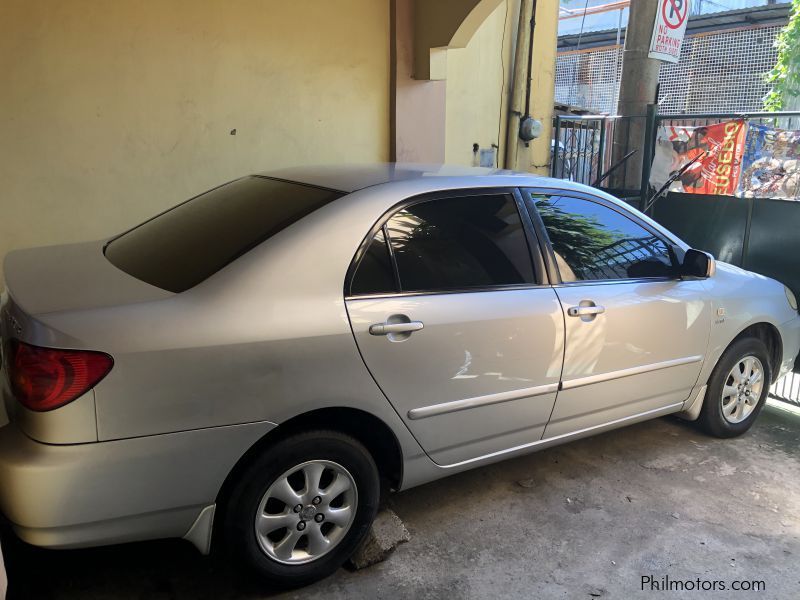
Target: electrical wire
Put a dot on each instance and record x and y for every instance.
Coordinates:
(502, 87)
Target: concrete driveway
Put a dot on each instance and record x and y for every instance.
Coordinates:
(585, 520)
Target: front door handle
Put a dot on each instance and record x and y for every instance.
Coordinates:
(388, 328)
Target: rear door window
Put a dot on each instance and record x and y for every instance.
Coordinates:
(187, 244)
(448, 244)
(375, 271)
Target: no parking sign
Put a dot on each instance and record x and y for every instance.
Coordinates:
(668, 30)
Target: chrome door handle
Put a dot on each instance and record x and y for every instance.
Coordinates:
(387, 328)
(585, 311)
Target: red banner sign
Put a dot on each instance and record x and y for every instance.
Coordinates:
(718, 150)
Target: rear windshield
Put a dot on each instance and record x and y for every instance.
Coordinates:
(187, 244)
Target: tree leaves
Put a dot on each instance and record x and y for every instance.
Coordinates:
(785, 77)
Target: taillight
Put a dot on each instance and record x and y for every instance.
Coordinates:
(46, 378)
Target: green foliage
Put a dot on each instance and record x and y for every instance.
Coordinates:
(579, 238)
(785, 77)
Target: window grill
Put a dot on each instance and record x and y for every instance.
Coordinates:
(718, 71)
(589, 78)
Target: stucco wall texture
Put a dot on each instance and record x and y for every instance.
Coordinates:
(479, 81)
(112, 112)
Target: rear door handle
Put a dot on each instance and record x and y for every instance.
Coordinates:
(387, 328)
(585, 311)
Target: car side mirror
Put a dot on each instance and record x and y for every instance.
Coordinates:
(696, 264)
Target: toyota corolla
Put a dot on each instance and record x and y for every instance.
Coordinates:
(256, 366)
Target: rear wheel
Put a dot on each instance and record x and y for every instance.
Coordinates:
(301, 508)
(737, 389)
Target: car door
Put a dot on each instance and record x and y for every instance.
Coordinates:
(636, 336)
(454, 323)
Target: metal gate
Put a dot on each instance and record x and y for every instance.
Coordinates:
(586, 149)
(787, 388)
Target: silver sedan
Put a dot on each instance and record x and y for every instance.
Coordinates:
(257, 365)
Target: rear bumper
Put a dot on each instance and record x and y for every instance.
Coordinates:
(64, 496)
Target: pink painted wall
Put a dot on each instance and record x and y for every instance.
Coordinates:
(418, 111)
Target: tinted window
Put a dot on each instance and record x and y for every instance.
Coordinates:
(459, 243)
(592, 241)
(374, 274)
(187, 244)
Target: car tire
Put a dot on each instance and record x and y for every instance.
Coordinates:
(288, 556)
(732, 401)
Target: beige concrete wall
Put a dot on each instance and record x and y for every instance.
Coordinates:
(479, 84)
(112, 111)
(478, 80)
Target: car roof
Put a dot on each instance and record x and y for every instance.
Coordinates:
(348, 178)
(353, 177)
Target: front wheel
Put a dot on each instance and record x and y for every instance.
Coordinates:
(302, 507)
(737, 389)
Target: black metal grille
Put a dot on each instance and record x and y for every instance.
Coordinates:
(590, 150)
(787, 389)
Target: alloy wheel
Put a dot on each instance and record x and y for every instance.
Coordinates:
(306, 512)
(742, 389)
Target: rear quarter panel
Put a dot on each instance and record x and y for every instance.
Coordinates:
(265, 339)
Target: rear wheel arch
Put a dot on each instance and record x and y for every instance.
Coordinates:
(372, 432)
(300, 509)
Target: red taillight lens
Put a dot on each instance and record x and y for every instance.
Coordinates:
(46, 378)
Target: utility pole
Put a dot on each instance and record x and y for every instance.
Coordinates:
(637, 89)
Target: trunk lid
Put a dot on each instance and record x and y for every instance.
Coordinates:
(71, 277)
